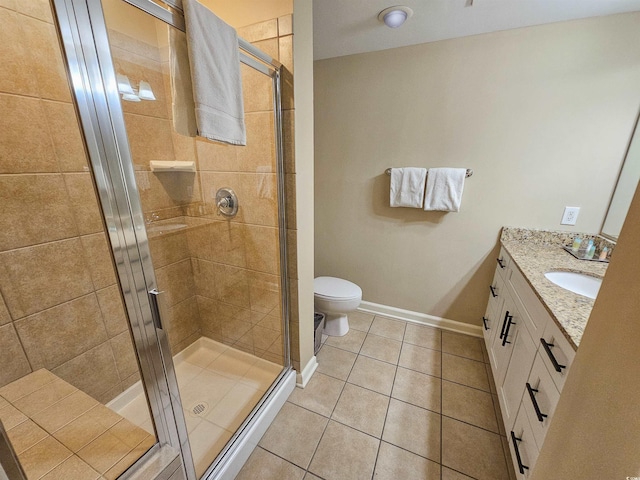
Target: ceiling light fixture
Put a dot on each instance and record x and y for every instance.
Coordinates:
(393, 17)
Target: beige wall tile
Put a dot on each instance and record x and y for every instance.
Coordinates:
(167, 190)
(66, 136)
(285, 45)
(263, 338)
(257, 90)
(176, 280)
(87, 427)
(184, 147)
(215, 156)
(104, 452)
(262, 245)
(11, 416)
(259, 31)
(287, 89)
(65, 411)
(264, 291)
(285, 25)
(48, 66)
(40, 9)
(35, 209)
(232, 285)
(4, 313)
(228, 243)
(129, 381)
(268, 46)
(260, 198)
(124, 354)
(128, 433)
(10, 4)
(290, 200)
(184, 321)
(204, 278)
(98, 257)
(133, 45)
(259, 153)
(169, 248)
(209, 320)
(211, 182)
(25, 435)
(288, 138)
(46, 335)
(94, 372)
(149, 139)
(27, 385)
(39, 277)
(128, 460)
(16, 75)
(84, 203)
(72, 467)
(112, 308)
(20, 150)
(12, 357)
(43, 457)
(292, 253)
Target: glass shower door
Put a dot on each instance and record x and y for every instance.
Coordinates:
(218, 276)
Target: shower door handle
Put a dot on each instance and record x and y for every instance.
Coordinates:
(155, 309)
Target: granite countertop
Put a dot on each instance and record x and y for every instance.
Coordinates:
(535, 252)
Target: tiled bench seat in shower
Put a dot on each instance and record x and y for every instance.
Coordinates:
(60, 432)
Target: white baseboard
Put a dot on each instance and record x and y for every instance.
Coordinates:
(302, 378)
(421, 318)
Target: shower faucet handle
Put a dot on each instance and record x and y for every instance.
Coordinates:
(227, 202)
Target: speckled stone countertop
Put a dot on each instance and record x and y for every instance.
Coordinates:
(535, 252)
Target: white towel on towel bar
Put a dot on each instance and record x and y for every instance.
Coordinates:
(444, 189)
(215, 72)
(407, 187)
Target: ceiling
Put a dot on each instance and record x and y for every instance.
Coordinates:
(345, 27)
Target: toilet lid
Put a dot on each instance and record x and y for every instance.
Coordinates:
(335, 287)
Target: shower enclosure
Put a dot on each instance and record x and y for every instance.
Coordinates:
(141, 326)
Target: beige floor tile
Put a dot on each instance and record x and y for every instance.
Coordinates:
(373, 374)
(360, 321)
(472, 451)
(72, 468)
(462, 345)
(104, 452)
(64, 411)
(418, 389)
(448, 474)
(422, 336)
(311, 476)
(386, 327)
(261, 375)
(27, 384)
(335, 362)
(414, 429)
(25, 435)
(11, 416)
(469, 405)
(234, 407)
(320, 395)
(381, 348)
(344, 454)
(361, 409)
(87, 427)
(43, 457)
(263, 465)
(465, 371)
(352, 341)
(207, 440)
(288, 440)
(395, 463)
(44, 397)
(423, 360)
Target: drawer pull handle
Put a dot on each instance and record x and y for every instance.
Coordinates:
(532, 391)
(547, 348)
(504, 324)
(500, 263)
(484, 322)
(493, 291)
(506, 332)
(515, 441)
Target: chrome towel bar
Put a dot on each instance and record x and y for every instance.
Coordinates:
(468, 174)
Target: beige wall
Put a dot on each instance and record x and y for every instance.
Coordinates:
(542, 115)
(60, 305)
(240, 13)
(595, 430)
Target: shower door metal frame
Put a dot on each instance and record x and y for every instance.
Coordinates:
(83, 33)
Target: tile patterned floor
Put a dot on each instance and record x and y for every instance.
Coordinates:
(390, 400)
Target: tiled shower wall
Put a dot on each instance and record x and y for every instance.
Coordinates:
(221, 276)
(60, 306)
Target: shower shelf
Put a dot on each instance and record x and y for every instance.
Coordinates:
(172, 166)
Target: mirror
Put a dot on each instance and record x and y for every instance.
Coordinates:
(625, 188)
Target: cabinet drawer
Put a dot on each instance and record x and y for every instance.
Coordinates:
(544, 393)
(503, 262)
(536, 316)
(497, 292)
(523, 448)
(557, 354)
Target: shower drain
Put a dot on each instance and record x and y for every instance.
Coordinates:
(199, 409)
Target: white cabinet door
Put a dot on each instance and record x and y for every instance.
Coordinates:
(502, 344)
(557, 354)
(524, 451)
(540, 399)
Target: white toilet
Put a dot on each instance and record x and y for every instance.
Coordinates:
(335, 298)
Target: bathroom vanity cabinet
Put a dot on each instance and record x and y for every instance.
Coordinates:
(529, 357)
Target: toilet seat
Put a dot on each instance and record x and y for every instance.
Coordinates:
(336, 289)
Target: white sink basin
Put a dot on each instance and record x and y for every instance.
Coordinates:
(576, 282)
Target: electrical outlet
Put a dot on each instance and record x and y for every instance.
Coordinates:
(570, 215)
